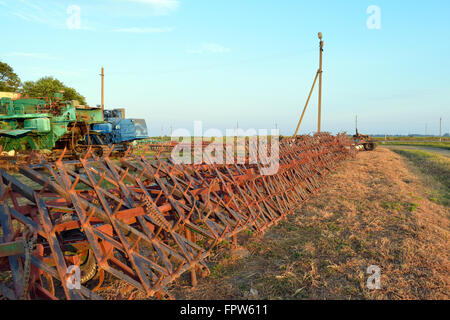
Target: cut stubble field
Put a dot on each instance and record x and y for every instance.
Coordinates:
(377, 209)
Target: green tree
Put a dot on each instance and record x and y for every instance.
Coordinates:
(9, 81)
(47, 87)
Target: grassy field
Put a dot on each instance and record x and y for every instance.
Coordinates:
(413, 139)
(435, 171)
(435, 144)
(377, 209)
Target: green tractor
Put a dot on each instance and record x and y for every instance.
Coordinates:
(38, 124)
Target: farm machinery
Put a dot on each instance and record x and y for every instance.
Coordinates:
(46, 125)
(364, 142)
(144, 219)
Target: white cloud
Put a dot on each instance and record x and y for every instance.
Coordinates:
(160, 6)
(48, 14)
(210, 48)
(170, 4)
(32, 55)
(145, 30)
(30, 17)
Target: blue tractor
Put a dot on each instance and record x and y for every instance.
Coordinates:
(117, 130)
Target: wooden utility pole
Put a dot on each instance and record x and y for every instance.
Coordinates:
(318, 75)
(320, 83)
(103, 89)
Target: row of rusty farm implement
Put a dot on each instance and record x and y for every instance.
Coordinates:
(143, 218)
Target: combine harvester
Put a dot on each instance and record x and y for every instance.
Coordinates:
(143, 218)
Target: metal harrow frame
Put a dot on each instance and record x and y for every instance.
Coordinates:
(145, 220)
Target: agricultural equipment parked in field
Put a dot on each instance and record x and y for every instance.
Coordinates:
(37, 124)
(117, 130)
(364, 142)
(144, 219)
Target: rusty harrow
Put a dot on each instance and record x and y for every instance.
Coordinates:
(143, 219)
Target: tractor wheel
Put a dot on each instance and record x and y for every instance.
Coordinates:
(84, 257)
(78, 152)
(370, 146)
(88, 268)
(98, 152)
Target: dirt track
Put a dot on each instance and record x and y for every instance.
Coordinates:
(374, 211)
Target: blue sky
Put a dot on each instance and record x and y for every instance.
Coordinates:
(253, 61)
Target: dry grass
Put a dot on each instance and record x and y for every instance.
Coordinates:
(374, 211)
(434, 169)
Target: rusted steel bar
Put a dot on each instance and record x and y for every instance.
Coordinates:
(13, 248)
